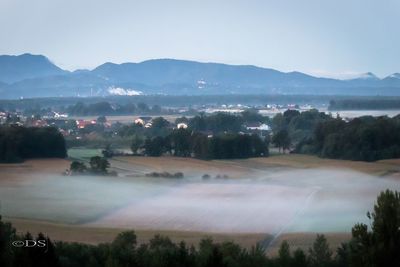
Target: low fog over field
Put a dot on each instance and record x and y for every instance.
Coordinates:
(265, 201)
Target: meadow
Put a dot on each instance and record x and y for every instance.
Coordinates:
(260, 199)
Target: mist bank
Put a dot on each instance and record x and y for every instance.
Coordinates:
(266, 200)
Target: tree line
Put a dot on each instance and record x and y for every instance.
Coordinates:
(293, 126)
(377, 246)
(187, 143)
(18, 143)
(107, 108)
(224, 122)
(211, 124)
(364, 138)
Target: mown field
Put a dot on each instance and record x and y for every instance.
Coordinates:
(280, 197)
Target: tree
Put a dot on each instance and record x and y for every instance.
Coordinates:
(7, 235)
(180, 141)
(182, 120)
(290, 114)
(101, 119)
(281, 140)
(320, 255)
(278, 123)
(107, 151)
(137, 143)
(159, 123)
(154, 147)
(252, 115)
(123, 247)
(259, 146)
(299, 259)
(100, 108)
(45, 256)
(386, 228)
(365, 138)
(342, 257)
(99, 165)
(379, 247)
(18, 143)
(284, 257)
(200, 146)
(159, 127)
(77, 167)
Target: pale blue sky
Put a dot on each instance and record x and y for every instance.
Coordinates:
(321, 37)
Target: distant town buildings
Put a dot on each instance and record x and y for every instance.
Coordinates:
(81, 124)
(257, 127)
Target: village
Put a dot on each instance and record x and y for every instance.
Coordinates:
(81, 127)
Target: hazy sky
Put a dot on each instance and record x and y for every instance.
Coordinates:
(323, 37)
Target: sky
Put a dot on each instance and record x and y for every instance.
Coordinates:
(330, 38)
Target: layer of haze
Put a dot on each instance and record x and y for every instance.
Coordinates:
(270, 201)
(326, 38)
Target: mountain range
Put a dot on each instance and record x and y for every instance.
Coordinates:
(36, 76)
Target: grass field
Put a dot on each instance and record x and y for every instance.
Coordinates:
(380, 168)
(96, 235)
(280, 197)
(83, 153)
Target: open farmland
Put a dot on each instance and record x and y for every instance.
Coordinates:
(260, 199)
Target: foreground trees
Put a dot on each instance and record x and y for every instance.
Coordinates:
(375, 247)
(380, 245)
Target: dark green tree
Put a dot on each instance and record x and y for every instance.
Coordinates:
(154, 147)
(77, 167)
(99, 165)
(123, 249)
(284, 258)
(380, 245)
(137, 143)
(101, 119)
(320, 254)
(299, 259)
(200, 146)
(281, 140)
(7, 235)
(107, 151)
(180, 142)
(159, 127)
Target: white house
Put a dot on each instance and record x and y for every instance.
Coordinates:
(258, 127)
(181, 125)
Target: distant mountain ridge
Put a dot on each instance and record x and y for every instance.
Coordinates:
(26, 66)
(35, 76)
